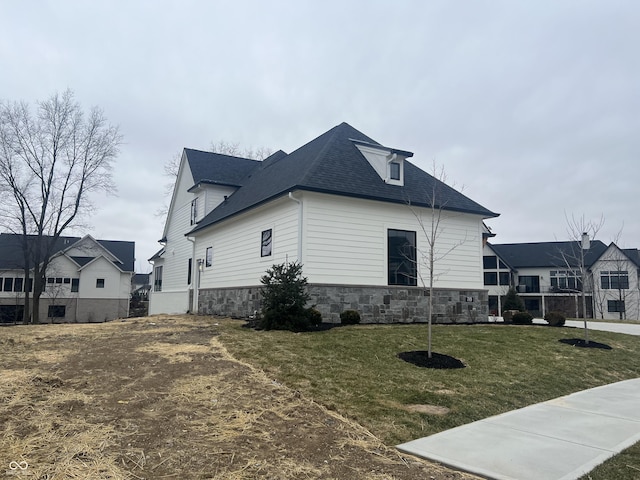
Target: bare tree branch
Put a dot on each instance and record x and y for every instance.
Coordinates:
(51, 160)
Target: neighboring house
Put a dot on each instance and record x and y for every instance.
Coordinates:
(140, 285)
(87, 280)
(547, 277)
(352, 211)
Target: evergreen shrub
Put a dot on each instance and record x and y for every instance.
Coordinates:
(349, 317)
(555, 319)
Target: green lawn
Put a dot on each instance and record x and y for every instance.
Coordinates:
(355, 370)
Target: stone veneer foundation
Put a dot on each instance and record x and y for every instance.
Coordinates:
(375, 304)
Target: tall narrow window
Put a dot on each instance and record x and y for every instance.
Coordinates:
(401, 252)
(189, 267)
(75, 284)
(209, 257)
(157, 279)
(394, 171)
(194, 211)
(265, 249)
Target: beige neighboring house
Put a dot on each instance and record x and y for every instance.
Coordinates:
(88, 280)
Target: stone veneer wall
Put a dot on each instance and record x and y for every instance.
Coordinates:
(375, 304)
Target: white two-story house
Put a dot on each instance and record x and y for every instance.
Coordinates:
(355, 213)
(548, 277)
(87, 280)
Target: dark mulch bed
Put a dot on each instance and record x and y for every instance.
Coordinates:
(420, 358)
(579, 342)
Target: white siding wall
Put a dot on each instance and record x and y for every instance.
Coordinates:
(236, 245)
(345, 242)
(115, 283)
(214, 196)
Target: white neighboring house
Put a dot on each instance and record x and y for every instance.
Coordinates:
(547, 278)
(616, 275)
(340, 206)
(87, 280)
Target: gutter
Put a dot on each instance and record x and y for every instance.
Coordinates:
(300, 218)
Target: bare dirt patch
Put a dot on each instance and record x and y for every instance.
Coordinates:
(160, 397)
(428, 409)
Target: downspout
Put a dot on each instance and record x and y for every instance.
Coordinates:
(194, 303)
(388, 176)
(300, 218)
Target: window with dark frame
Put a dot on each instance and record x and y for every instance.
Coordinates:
(489, 261)
(18, 284)
(157, 279)
(614, 280)
(266, 243)
(8, 284)
(401, 257)
(99, 282)
(209, 257)
(504, 278)
(615, 306)
(57, 311)
(189, 268)
(490, 278)
(194, 211)
(75, 284)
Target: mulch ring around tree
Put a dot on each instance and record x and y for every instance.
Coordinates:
(420, 358)
(579, 342)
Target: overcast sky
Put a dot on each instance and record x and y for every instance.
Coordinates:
(532, 106)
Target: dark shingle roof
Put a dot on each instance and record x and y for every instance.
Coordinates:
(208, 167)
(547, 254)
(633, 254)
(331, 163)
(11, 256)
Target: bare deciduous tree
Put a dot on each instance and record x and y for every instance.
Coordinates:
(581, 231)
(51, 160)
(432, 229)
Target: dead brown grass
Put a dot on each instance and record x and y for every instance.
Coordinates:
(161, 397)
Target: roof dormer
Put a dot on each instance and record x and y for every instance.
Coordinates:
(387, 162)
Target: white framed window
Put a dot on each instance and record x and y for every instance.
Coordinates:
(394, 170)
(266, 243)
(209, 257)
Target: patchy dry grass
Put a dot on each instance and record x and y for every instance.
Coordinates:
(162, 398)
(355, 370)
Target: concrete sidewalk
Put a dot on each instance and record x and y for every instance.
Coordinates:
(561, 439)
